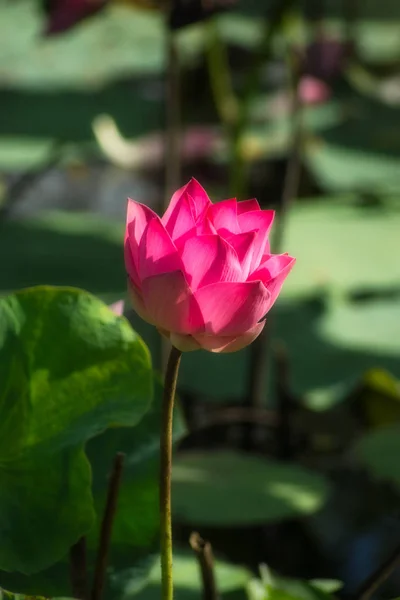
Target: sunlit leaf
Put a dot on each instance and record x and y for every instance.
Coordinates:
(69, 368)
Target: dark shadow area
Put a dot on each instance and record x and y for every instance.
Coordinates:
(32, 253)
(68, 115)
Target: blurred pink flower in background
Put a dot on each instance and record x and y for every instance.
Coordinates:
(323, 63)
(203, 273)
(313, 91)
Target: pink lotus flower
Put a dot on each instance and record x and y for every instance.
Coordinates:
(203, 273)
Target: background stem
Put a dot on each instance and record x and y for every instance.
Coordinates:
(171, 378)
(78, 569)
(106, 527)
(205, 558)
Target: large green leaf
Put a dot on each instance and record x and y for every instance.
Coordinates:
(227, 488)
(134, 546)
(69, 368)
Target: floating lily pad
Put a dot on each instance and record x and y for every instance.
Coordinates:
(228, 488)
(362, 325)
(331, 240)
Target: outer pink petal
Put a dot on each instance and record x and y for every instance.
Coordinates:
(137, 303)
(200, 197)
(171, 304)
(273, 273)
(198, 194)
(137, 218)
(260, 221)
(224, 216)
(209, 259)
(215, 343)
(232, 308)
(157, 252)
(130, 264)
(247, 206)
(182, 218)
(243, 244)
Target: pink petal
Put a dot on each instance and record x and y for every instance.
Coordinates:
(198, 194)
(182, 218)
(243, 244)
(171, 304)
(247, 206)
(157, 252)
(117, 307)
(260, 221)
(232, 308)
(267, 252)
(130, 264)
(137, 303)
(138, 217)
(273, 273)
(206, 226)
(200, 197)
(224, 216)
(209, 259)
(216, 343)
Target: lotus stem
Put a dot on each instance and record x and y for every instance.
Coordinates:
(171, 378)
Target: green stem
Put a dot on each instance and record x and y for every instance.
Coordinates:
(171, 378)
